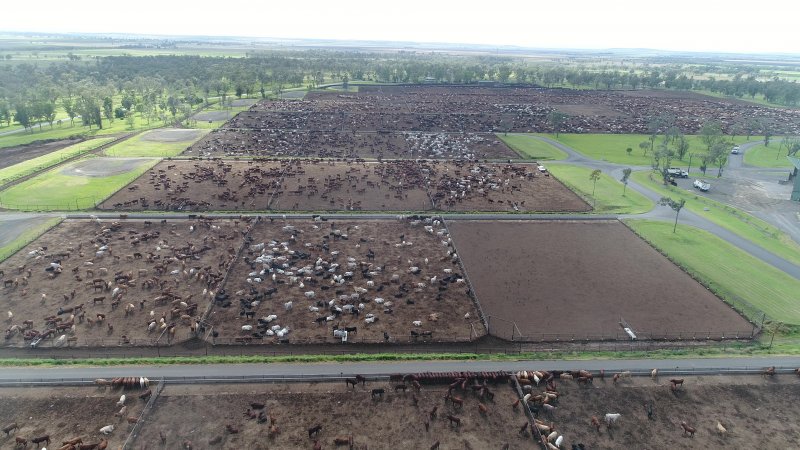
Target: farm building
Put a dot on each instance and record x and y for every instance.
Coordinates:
(796, 189)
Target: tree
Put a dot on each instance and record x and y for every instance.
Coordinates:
(644, 146)
(628, 151)
(556, 119)
(108, 108)
(5, 113)
(594, 176)
(48, 112)
(792, 144)
(711, 133)
(767, 136)
(69, 107)
(626, 173)
(676, 206)
(719, 155)
(22, 115)
(681, 146)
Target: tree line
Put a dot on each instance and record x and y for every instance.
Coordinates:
(159, 87)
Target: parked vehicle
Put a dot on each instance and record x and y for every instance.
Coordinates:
(677, 172)
(702, 185)
(735, 150)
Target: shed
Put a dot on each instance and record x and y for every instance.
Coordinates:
(796, 189)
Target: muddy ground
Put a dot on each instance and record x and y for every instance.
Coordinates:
(200, 413)
(65, 413)
(150, 267)
(305, 258)
(757, 412)
(315, 185)
(15, 155)
(564, 280)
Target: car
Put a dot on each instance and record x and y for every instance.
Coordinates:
(702, 185)
(677, 172)
(542, 169)
(735, 150)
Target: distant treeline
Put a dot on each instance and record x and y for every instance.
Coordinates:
(158, 86)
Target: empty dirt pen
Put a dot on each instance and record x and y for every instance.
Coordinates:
(560, 280)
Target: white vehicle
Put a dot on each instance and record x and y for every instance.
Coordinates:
(677, 172)
(542, 169)
(735, 150)
(702, 185)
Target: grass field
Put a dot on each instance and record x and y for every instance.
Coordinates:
(66, 130)
(54, 191)
(732, 219)
(139, 146)
(608, 195)
(30, 166)
(531, 148)
(731, 273)
(28, 236)
(772, 156)
(612, 147)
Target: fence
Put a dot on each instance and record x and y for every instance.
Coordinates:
(472, 295)
(138, 425)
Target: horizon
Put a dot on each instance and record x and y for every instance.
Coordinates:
(685, 26)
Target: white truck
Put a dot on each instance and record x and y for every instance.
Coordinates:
(702, 185)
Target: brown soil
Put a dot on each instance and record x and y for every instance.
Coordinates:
(564, 280)
(200, 414)
(756, 412)
(336, 186)
(31, 293)
(15, 155)
(315, 249)
(336, 144)
(66, 413)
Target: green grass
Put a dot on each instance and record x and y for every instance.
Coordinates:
(139, 146)
(737, 221)
(731, 273)
(609, 198)
(772, 157)
(53, 190)
(531, 148)
(30, 166)
(611, 147)
(27, 237)
(66, 130)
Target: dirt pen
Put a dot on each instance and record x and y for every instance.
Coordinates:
(124, 282)
(68, 413)
(384, 281)
(316, 185)
(554, 280)
(395, 419)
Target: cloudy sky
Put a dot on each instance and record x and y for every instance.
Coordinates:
(694, 25)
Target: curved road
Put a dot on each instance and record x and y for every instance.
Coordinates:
(665, 213)
(384, 368)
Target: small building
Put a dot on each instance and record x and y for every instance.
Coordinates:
(796, 189)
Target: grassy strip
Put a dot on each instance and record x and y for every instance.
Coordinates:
(30, 166)
(721, 267)
(724, 351)
(770, 157)
(27, 237)
(735, 220)
(612, 147)
(531, 148)
(54, 191)
(66, 131)
(608, 196)
(139, 146)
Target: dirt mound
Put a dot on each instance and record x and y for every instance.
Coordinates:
(176, 135)
(103, 167)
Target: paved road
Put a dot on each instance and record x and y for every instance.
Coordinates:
(665, 213)
(351, 368)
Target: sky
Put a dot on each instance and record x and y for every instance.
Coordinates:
(763, 26)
